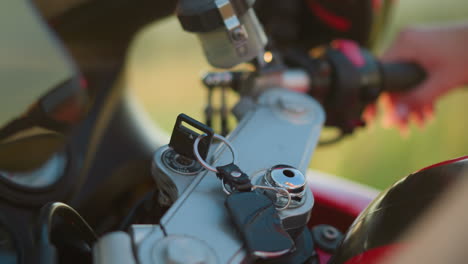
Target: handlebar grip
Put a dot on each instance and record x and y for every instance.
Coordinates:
(401, 77)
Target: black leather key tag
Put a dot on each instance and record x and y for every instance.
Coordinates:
(234, 177)
(255, 217)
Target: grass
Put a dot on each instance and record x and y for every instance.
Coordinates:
(164, 72)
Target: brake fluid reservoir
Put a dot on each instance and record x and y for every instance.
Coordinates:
(229, 30)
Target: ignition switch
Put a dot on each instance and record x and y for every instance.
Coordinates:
(289, 178)
(180, 157)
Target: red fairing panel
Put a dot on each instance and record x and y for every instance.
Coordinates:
(374, 255)
(323, 257)
(337, 201)
(444, 163)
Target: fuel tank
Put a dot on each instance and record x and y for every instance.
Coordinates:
(377, 230)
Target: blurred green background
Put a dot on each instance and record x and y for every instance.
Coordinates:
(164, 71)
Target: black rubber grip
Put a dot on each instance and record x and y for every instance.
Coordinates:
(401, 77)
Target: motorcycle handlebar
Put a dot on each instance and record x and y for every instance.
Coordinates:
(345, 88)
(400, 77)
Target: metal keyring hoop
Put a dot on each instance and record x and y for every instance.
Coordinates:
(204, 163)
(277, 189)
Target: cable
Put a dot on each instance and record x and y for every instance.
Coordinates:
(133, 214)
(47, 251)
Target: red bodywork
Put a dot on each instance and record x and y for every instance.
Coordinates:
(445, 162)
(337, 202)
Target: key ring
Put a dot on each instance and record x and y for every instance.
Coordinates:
(204, 163)
(276, 189)
(234, 157)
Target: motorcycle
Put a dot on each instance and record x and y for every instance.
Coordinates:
(245, 199)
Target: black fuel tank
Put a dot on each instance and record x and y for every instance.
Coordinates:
(395, 209)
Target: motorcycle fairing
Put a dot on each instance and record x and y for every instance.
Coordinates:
(396, 209)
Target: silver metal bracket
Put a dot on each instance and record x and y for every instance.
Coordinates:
(283, 127)
(237, 32)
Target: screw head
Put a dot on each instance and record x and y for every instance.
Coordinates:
(327, 237)
(239, 34)
(330, 233)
